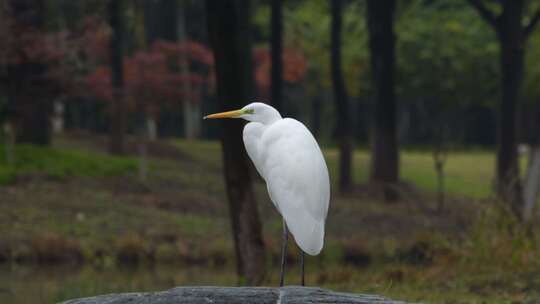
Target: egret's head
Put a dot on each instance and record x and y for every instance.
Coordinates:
(256, 111)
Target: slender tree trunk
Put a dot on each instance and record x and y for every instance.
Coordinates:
(191, 109)
(342, 103)
(512, 35)
(143, 157)
(33, 118)
(229, 33)
(9, 143)
(316, 104)
(5, 86)
(161, 20)
(277, 54)
(118, 113)
(440, 154)
(384, 151)
(147, 131)
(4, 83)
(512, 54)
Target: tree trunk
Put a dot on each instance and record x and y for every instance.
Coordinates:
(118, 113)
(316, 104)
(512, 37)
(512, 52)
(29, 91)
(384, 151)
(229, 33)
(9, 143)
(142, 150)
(32, 123)
(439, 159)
(191, 109)
(161, 20)
(342, 104)
(277, 54)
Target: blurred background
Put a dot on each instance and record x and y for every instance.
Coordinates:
(428, 113)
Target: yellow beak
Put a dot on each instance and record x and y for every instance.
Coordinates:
(229, 114)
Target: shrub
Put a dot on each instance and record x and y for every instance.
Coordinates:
(52, 248)
(132, 249)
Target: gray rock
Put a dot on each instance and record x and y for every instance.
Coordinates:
(233, 295)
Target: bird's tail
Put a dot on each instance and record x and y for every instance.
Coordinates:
(309, 235)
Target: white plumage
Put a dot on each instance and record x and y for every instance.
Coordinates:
(288, 158)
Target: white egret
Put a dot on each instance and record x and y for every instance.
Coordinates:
(288, 158)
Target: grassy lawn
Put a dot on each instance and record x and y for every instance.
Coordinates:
(61, 163)
(468, 174)
(78, 204)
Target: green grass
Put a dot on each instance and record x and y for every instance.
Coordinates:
(203, 151)
(469, 174)
(61, 163)
(181, 213)
(466, 173)
(95, 200)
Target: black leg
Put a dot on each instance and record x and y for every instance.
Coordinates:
(284, 240)
(302, 254)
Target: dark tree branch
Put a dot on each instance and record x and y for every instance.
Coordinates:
(484, 12)
(530, 27)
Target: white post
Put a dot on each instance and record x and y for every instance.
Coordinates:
(57, 119)
(531, 190)
(151, 128)
(9, 143)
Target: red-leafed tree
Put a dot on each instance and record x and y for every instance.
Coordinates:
(31, 59)
(44, 66)
(152, 78)
(294, 64)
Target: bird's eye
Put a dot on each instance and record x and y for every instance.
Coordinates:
(249, 111)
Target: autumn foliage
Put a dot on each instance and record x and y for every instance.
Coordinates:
(294, 67)
(78, 62)
(32, 54)
(156, 76)
(31, 67)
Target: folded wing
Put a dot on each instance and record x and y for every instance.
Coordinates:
(297, 179)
